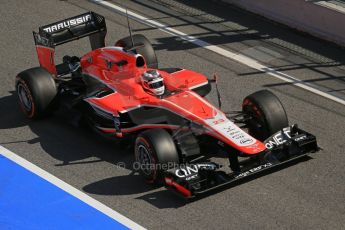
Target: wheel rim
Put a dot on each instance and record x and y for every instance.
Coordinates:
(145, 159)
(24, 97)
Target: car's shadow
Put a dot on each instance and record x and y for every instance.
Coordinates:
(134, 184)
(72, 146)
(11, 116)
(64, 142)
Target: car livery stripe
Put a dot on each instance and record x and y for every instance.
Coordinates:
(198, 85)
(139, 127)
(177, 71)
(92, 103)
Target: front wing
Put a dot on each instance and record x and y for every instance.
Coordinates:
(193, 180)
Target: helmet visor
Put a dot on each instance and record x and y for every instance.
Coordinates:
(156, 85)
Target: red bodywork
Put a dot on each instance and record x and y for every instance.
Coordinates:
(129, 94)
(46, 58)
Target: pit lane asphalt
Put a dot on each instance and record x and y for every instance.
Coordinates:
(308, 195)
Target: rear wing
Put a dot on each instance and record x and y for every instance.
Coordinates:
(88, 24)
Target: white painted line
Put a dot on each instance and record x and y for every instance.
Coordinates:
(69, 189)
(236, 57)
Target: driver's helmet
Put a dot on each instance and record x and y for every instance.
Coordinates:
(152, 82)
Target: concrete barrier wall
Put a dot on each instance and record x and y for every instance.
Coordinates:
(318, 19)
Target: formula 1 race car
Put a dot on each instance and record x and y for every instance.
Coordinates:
(120, 92)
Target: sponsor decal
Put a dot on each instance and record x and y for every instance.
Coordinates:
(281, 137)
(301, 138)
(207, 166)
(253, 170)
(67, 23)
(41, 40)
(218, 121)
(189, 172)
(278, 139)
(230, 130)
(246, 140)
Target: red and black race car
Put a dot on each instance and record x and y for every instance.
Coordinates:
(120, 92)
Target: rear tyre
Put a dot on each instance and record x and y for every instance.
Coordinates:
(36, 90)
(267, 112)
(155, 152)
(146, 51)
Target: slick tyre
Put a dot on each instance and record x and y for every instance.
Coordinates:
(36, 90)
(146, 50)
(155, 152)
(267, 112)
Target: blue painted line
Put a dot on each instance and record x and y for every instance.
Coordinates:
(29, 202)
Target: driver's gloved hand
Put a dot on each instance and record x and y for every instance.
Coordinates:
(74, 66)
(66, 59)
(75, 59)
(73, 62)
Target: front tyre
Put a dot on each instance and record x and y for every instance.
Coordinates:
(155, 152)
(36, 90)
(267, 114)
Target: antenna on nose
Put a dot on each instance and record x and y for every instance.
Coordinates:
(129, 29)
(215, 80)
